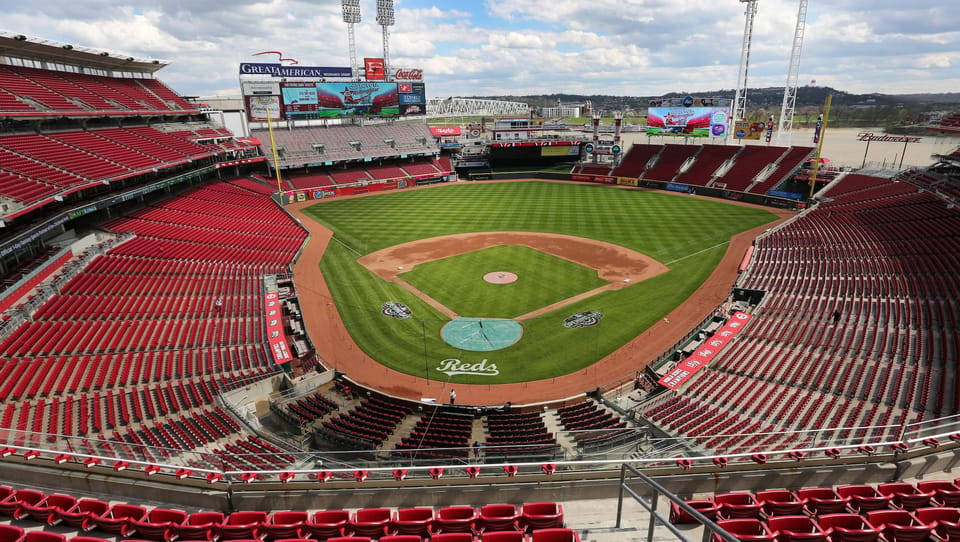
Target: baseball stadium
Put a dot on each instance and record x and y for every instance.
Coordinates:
(359, 319)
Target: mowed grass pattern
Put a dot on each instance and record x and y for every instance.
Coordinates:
(543, 279)
(687, 234)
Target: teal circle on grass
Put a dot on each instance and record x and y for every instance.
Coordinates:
(481, 334)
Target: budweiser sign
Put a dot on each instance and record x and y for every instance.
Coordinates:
(870, 136)
(404, 74)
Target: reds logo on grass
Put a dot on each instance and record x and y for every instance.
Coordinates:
(583, 319)
(395, 310)
(454, 366)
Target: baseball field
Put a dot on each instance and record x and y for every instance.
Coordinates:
(591, 267)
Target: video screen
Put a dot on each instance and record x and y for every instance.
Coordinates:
(688, 121)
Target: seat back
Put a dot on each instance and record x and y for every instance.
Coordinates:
(555, 535)
(10, 533)
(459, 519)
(502, 536)
(452, 537)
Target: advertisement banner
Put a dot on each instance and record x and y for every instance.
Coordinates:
(705, 354)
(258, 107)
(414, 109)
(408, 74)
(280, 70)
(560, 150)
(325, 99)
(687, 121)
(628, 181)
(412, 99)
(374, 69)
(444, 131)
(260, 88)
(278, 343)
(749, 130)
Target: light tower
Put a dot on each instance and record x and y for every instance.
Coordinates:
(740, 101)
(385, 19)
(351, 16)
(785, 128)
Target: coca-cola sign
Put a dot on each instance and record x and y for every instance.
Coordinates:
(408, 74)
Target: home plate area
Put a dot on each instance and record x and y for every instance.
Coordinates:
(481, 334)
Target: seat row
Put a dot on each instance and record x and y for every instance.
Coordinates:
(166, 525)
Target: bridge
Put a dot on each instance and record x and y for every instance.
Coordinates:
(474, 107)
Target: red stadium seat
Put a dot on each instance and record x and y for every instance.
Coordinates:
(243, 525)
(946, 521)
(945, 492)
(10, 533)
(415, 521)
(327, 524)
(541, 515)
(905, 495)
(456, 519)
(737, 505)
(43, 536)
(746, 530)
(498, 517)
(503, 536)
(555, 535)
(201, 526)
(401, 538)
(797, 529)
(864, 497)
(823, 500)
(12, 505)
(116, 520)
(159, 524)
(372, 522)
(350, 539)
(848, 527)
(899, 525)
(81, 516)
(285, 524)
(49, 509)
(705, 506)
(452, 537)
(780, 502)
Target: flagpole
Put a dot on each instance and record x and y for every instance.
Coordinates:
(823, 134)
(276, 157)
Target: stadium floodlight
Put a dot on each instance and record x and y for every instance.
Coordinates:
(351, 11)
(385, 15)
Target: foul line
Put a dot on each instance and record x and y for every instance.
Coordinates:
(346, 246)
(668, 264)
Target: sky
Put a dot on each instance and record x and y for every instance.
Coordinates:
(524, 47)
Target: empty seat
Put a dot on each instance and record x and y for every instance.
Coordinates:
(864, 498)
(905, 495)
(899, 525)
(415, 521)
(554, 535)
(848, 528)
(372, 522)
(50, 508)
(746, 529)
(80, 516)
(452, 537)
(797, 529)
(159, 524)
(945, 492)
(10, 533)
(780, 502)
(350, 539)
(679, 516)
(541, 515)
(116, 520)
(456, 519)
(12, 505)
(401, 538)
(498, 517)
(241, 525)
(946, 521)
(327, 524)
(503, 536)
(823, 500)
(737, 505)
(201, 526)
(285, 524)
(43, 536)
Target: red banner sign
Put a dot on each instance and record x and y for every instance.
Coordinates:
(278, 343)
(374, 69)
(707, 351)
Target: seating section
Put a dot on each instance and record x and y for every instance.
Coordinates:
(856, 330)
(749, 163)
(595, 428)
(635, 161)
(532, 522)
(366, 426)
(439, 435)
(950, 123)
(309, 145)
(893, 512)
(134, 348)
(347, 174)
(31, 90)
(789, 162)
(511, 435)
(669, 161)
(706, 163)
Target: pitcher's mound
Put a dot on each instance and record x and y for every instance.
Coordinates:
(500, 277)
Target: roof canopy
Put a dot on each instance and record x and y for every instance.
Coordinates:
(44, 50)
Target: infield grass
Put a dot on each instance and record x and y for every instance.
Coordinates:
(543, 279)
(689, 235)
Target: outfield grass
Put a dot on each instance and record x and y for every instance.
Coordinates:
(687, 234)
(543, 279)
